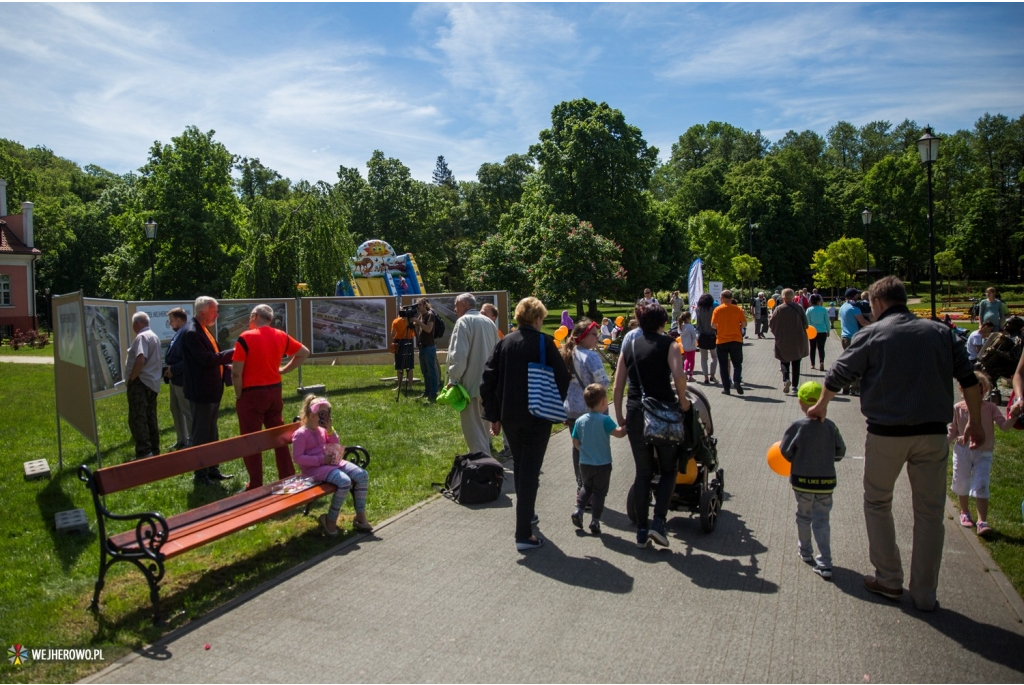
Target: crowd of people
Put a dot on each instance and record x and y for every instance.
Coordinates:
(902, 367)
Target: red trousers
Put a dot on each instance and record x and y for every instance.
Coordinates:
(260, 408)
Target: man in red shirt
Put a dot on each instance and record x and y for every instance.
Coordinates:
(256, 376)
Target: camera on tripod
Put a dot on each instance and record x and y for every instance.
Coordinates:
(409, 312)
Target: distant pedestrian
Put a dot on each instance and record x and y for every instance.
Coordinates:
(789, 326)
(567, 320)
(403, 334)
(706, 337)
(728, 320)
(590, 438)
(813, 447)
(145, 367)
(993, 310)
(677, 303)
(687, 341)
(833, 314)
(648, 297)
(761, 327)
(174, 375)
(851, 320)
(817, 316)
(976, 340)
(424, 326)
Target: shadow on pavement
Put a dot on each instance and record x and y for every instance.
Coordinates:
(753, 398)
(587, 572)
(988, 641)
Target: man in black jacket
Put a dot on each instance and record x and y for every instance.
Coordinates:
(906, 366)
(206, 367)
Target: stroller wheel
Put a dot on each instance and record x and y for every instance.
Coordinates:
(710, 505)
(630, 501)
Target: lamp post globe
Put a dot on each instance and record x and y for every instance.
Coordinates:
(928, 148)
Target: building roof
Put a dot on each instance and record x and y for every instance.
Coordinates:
(11, 244)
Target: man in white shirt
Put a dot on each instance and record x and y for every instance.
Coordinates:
(145, 370)
(976, 340)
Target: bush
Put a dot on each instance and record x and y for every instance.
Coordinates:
(32, 338)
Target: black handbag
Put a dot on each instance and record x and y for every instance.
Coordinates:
(663, 421)
(706, 341)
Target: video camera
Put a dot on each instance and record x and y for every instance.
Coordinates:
(409, 312)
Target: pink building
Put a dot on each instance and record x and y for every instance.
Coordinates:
(17, 268)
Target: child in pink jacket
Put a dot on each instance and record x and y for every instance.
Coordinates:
(317, 450)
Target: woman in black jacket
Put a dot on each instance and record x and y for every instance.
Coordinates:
(504, 395)
(652, 360)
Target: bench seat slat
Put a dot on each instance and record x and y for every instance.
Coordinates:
(142, 471)
(187, 533)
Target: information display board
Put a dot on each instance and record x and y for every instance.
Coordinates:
(70, 367)
(339, 326)
(108, 335)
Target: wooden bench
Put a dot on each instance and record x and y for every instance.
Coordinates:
(156, 539)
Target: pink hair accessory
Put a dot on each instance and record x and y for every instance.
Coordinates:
(318, 404)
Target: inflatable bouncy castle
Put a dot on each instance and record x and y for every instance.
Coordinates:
(377, 270)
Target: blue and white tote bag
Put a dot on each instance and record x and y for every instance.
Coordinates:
(543, 399)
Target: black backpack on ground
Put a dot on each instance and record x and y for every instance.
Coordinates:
(475, 478)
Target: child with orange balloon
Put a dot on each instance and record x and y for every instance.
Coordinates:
(812, 447)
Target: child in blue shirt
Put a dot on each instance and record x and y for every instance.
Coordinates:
(590, 437)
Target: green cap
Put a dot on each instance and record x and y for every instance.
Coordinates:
(809, 392)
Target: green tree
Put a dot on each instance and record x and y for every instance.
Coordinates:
(746, 268)
(187, 188)
(598, 168)
(501, 185)
(713, 238)
(949, 266)
(826, 274)
(896, 188)
(576, 264)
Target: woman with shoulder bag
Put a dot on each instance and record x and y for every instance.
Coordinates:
(706, 336)
(585, 367)
(505, 394)
(650, 362)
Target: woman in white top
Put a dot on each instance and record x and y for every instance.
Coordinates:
(585, 367)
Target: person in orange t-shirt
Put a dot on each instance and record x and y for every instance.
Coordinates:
(728, 320)
(402, 336)
(256, 377)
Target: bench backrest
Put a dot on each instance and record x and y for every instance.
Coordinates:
(141, 471)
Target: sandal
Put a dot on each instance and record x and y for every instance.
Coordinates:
(362, 527)
(323, 526)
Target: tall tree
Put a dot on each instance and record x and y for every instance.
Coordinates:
(713, 238)
(443, 176)
(598, 168)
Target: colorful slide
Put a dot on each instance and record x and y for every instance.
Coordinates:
(377, 270)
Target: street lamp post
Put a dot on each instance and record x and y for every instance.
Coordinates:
(866, 218)
(928, 148)
(150, 227)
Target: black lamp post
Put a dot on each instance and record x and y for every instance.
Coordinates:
(928, 148)
(866, 217)
(150, 227)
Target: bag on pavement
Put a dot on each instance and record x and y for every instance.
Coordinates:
(475, 478)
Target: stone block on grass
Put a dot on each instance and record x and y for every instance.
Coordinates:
(72, 521)
(37, 468)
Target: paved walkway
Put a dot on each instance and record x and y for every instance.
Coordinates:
(440, 594)
(7, 359)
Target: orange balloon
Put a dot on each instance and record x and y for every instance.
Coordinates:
(560, 333)
(771, 303)
(812, 332)
(619, 320)
(607, 341)
(777, 462)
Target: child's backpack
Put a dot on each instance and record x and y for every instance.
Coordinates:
(439, 329)
(1000, 356)
(475, 478)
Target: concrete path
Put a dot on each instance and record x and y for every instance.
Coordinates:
(440, 594)
(7, 359)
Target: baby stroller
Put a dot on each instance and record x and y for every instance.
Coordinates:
(699, 486)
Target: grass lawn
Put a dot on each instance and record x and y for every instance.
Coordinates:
(47, 580)
(25, 351)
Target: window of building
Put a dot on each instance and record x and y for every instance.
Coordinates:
(5, 290)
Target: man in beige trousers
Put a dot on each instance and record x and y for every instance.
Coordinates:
(906, 367)
(472, 341)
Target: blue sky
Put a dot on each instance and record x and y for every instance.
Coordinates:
(309, 87)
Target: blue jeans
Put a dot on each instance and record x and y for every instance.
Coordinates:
(428, 367)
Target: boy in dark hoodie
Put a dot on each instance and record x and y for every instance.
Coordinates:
(813, 447)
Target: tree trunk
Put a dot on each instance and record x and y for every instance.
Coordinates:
(593, 313)
(579, 307)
